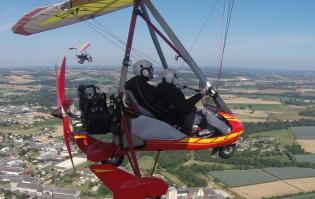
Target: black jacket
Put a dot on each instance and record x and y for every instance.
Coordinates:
(147, 96)
(177, 105)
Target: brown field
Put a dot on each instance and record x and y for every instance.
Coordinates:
(265, 190)
(20, 79)
(265, 91)
(308, 145)
(15, 87)
(58, 131)
(305, 184)
(244, 100)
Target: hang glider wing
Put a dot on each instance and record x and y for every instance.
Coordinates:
(63, 14)
(81, 47)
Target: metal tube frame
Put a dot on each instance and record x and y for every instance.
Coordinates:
(154, 37)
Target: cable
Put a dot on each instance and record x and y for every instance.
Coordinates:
(114, 36)
(105, 36)
(200, 31)
(227, 28)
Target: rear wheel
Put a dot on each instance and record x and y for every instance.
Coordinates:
(115, 160)
(226, 152)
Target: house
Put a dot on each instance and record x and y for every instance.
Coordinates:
(60, 193)
(11, 171)
(26, 187)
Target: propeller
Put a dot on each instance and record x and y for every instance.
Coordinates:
(62, 106)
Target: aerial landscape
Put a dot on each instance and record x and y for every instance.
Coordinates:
(266, 97)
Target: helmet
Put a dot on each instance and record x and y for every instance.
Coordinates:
(143, 68)
(169, 76)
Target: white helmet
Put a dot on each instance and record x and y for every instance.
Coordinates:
(169, 76)
(143, 68)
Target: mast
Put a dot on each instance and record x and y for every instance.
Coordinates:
(154, 37)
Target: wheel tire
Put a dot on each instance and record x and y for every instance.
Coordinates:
(226, 152)
(116, 160)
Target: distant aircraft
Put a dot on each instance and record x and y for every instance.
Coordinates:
(100, 115)
(83, 56)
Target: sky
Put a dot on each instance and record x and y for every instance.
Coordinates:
(276, 34)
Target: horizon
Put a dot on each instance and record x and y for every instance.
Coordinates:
(283, 38)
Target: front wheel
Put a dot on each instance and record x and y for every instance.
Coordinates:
(226, 152)
(115, 160)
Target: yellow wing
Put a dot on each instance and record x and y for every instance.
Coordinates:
(63, 14)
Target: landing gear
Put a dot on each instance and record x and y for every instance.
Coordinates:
(226, 152)
(115, 160)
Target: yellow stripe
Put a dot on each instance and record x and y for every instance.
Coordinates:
(79, 136)
(206, 140)
(81, 8)
(189, 140)
(101, 170)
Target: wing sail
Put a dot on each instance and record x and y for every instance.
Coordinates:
(63, 14)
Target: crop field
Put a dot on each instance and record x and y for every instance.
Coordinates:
(265, 190)
(303, 132)
(304, 184)
(305, 158)
(301, 196)
(284, 173)
(307, 144)
(237, 178)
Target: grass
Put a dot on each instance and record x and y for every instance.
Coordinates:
(36, 129)
(172, 178)
(285, 136)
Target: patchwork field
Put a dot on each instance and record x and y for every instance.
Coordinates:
(269, 182)
(307, 144)
(265, 190)
(303, 132)
(304, 184)
(290, 172)
(305, 158)
(237, 178)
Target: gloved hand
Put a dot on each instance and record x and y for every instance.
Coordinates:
(204, 88)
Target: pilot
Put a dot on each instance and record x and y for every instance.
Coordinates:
(146, 94)
(173, 98)
(183, 111)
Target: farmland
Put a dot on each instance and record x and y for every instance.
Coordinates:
(237, 178)
(267, 182)
(307, 144)
(305, 132)
(290, 172)
(305, 158)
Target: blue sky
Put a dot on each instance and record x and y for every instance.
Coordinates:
(268, 33)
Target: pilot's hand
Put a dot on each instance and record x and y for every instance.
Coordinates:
(202, 88)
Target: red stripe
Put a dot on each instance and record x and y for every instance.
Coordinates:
(18, 28)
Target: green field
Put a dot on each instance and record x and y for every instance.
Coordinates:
(303, 132)
(284, 173)
(305, 158)
(285, 136)
(238, 178)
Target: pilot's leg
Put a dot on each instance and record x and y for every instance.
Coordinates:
(213, 120)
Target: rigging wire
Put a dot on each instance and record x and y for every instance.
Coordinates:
(200, 31)
(90, 25)
(223, 47)
(106, 31)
